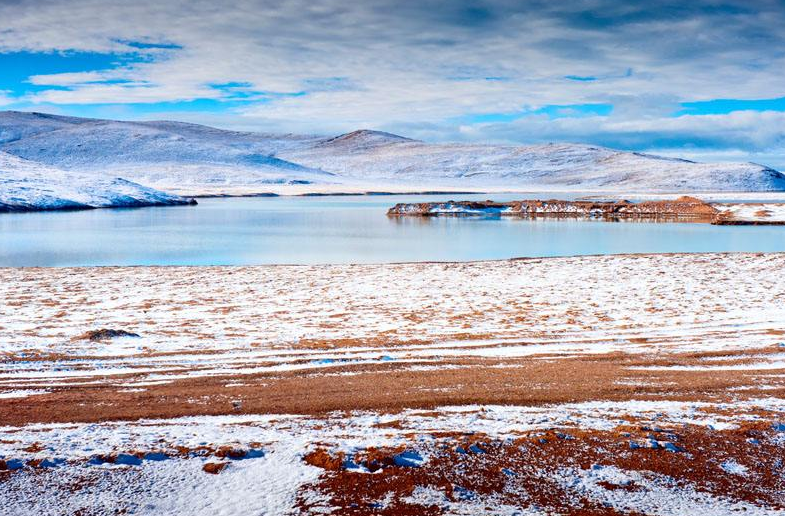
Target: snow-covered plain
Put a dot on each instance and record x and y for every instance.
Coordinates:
(323, 318)
(641, 384)
(194, 160)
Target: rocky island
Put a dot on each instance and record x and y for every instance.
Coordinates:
(685, 209)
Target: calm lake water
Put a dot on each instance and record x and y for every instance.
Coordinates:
(350, 229)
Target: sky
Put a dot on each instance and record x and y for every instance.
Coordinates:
(700, 79)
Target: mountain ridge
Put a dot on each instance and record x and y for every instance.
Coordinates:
(194, 159)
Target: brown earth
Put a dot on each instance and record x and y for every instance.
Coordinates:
(525, 471)
(214, 467)
(387, 388)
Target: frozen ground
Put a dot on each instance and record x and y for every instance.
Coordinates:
(205, 321)
(588, 385)
(414, 462)
(194, 160)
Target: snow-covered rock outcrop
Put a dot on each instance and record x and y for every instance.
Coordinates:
(28, 186)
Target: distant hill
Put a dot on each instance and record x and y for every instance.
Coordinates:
(390, 158)
(159, 154)
(194, 159)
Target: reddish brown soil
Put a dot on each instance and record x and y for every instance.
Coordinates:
(534, 458)
(388, 388)
(522, 472)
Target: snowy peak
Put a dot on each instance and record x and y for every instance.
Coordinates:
(370, 134)
(363, 139)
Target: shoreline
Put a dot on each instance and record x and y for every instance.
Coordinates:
(296, 191)
(15, 209)
(383, 264)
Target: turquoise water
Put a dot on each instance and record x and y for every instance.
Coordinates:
(349, 229)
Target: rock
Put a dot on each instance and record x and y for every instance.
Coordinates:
(11, 465)
(214, 468)
(228, 452)
(105, 334)
(156, 456)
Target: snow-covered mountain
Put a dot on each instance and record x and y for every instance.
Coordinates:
(166, 155)
(366, 154)
(26, 186)
(193, 159)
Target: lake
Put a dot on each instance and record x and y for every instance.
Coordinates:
(342, 229)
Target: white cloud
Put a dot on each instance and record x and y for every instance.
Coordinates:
(418, 65)
(737, 136)
(5, 98)
(71, 79)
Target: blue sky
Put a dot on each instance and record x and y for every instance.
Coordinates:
(701, 80)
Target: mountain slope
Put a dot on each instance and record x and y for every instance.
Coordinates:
(558, 166)
(28, 186)
(16, 125)
(167, 155)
